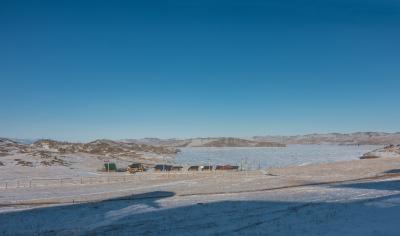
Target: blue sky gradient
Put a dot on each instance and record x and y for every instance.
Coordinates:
(80, 70)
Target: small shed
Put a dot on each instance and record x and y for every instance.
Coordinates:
(110, 166)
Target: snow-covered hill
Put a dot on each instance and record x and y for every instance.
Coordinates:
(388, 151)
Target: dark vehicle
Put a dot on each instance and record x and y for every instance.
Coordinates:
(194, 168)
(176, 168)
(227, 167)
(162, 167)
(205, 168)
(136, 167)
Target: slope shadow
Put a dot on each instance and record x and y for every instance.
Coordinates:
(142, 215)
(25, 221)
(379, 185)
(150, 199)
(394, 171)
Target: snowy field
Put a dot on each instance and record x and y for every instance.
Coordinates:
(272, 156)
(354, 198)
(353, 209)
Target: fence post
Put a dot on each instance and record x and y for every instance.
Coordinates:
(30, 183)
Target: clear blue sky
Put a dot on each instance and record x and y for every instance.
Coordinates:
(80, 70)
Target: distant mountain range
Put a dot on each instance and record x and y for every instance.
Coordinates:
(359, 138)
(205, 142)
(171, 146)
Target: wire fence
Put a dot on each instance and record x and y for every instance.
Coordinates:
(122, 194)
(112, 178)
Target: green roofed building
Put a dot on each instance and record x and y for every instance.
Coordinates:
(110, 166)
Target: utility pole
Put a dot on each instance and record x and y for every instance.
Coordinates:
(108, 165)
(246, 164)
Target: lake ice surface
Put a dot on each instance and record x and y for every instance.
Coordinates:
(255, 157)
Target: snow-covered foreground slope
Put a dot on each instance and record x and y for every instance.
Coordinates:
(309, 200)
(368, 208)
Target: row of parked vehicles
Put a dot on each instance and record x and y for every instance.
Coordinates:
(140, 167)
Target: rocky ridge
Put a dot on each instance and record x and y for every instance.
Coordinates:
(103, 147)
(388, 151)
(47, 152)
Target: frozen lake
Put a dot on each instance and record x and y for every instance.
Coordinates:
(272, 157)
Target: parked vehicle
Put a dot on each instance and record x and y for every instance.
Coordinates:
(207, 168)
(194, 168)
(162, 167)
(226, 167)
(136, 167)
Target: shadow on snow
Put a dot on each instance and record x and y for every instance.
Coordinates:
(142, 214)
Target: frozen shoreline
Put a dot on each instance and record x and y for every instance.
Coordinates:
(292, 155)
